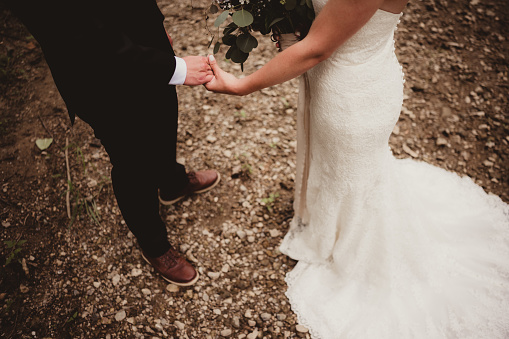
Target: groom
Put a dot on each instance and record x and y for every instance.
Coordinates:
(115, 68)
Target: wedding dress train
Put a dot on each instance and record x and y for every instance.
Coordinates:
(386, 248)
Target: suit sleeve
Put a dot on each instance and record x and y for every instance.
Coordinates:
(91, 36)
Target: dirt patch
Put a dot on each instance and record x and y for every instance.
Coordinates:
(83, 277)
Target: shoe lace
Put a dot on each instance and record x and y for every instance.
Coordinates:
(170, 259)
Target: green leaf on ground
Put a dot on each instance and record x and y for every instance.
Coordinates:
(43, 143)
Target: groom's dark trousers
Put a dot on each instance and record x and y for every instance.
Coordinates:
(111, 61)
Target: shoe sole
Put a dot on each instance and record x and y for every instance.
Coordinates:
(192, 282)
(171, 202)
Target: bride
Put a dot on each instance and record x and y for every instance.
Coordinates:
(386, 248)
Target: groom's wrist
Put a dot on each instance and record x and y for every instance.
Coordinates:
(179, 76)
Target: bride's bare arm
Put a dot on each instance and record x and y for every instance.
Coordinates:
(336, 23)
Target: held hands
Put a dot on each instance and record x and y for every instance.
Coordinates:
(222, 82)
(199, 71)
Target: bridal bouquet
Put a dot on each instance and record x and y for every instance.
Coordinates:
(264, 16)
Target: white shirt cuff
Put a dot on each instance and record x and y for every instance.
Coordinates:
(179, 77)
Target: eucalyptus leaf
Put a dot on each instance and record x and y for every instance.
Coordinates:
(213, 9)
(43, 143)
(275, 21)
(216, 47)
(229, 53)
(242, 18)
(246, 42)
(229, 40)
(238, 56)
(290, 4)
(230, 28)
(221, 18)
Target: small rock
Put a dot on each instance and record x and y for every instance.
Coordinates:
(210, 138)
(301, 329)
(265, 316)
(179, 325)
(251, 323)
(487, 163)
(172, 288)
(226, 332)
(251, 238)
(6, 224)
(236, 322)
(253, 335)
(225, 268)
(441, 141)
(115, 280)
(248, 314)
(446, 111)
(281, 317)
(409, 151)
(23, 288)
(96, 284)
(120, 315)
(274, 233)
(146, 291)
(213, 275)
(241, 234)
(136, 272)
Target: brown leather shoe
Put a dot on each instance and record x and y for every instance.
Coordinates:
(173, 268)
(199, 182)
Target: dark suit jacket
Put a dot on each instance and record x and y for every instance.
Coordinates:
(104, 55)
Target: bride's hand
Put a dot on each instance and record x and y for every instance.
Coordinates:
(223, 82)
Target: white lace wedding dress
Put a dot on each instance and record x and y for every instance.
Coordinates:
(386, 248)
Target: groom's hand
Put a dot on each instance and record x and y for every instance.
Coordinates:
(198, 71)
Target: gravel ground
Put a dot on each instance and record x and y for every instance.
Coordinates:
(88, 280)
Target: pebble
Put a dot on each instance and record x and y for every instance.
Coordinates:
(248, 314)
(146, 291)
(241, 234)
(172, 288)
(301, 329)
(265, 316)
(23, 288)
(236, 322)
(274, 233)
(441, 141)
(115, 280)
(120, 315)
(210, 138)
(96, 284)
(251, 323)
(136, 272)
(179, 325)
(226, 333)
(281, 317)
(253, 335)
(213, 275)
